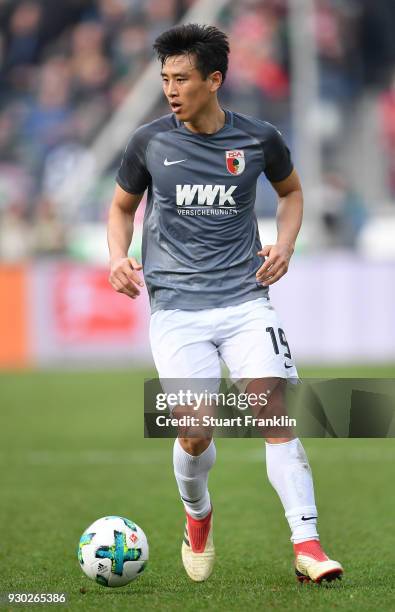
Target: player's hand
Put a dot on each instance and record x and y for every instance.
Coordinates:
(124, 276)
(276, 263)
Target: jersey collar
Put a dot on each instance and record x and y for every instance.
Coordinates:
(228, 121)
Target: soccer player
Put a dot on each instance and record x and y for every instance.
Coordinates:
(207, 274)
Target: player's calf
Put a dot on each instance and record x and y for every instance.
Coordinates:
(194, 446)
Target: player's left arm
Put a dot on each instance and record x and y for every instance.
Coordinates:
(289, 220)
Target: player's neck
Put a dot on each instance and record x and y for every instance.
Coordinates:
(208, 121)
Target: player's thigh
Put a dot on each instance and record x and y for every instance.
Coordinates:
(255, 344)
(188, 365)
(181, 345)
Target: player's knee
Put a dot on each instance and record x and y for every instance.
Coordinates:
(194, 446)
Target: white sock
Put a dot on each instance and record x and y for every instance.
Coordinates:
(191, 473)
(289, 473)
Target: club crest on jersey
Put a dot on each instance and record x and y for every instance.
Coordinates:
(235, 162)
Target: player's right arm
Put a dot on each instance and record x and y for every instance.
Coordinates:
(124, 270)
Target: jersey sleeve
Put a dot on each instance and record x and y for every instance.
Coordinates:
(133, 175)
(277, 157)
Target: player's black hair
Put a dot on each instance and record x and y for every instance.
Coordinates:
(209, 45)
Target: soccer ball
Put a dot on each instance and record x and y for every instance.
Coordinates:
(113, 551)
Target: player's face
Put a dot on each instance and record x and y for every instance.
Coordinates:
(185, 89)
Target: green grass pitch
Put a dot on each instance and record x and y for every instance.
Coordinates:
(72, 450)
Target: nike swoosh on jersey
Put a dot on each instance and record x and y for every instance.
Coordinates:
(170, 163)
(288, 366)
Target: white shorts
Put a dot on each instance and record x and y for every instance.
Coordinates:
(248, 338)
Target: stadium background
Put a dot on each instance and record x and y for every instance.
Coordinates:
(324, 74)
(75, 78)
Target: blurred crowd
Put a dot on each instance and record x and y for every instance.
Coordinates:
(65, 66)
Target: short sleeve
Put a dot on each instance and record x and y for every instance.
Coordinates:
(277, 158)
(133, 175)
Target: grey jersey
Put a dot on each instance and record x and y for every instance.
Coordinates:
(200, 234)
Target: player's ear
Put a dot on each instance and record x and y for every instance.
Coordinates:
(215, 80)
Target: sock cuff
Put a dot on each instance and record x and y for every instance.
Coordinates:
(289, 452)
(193, 458)
(195, 464)
(289, 443)
(296, 541)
